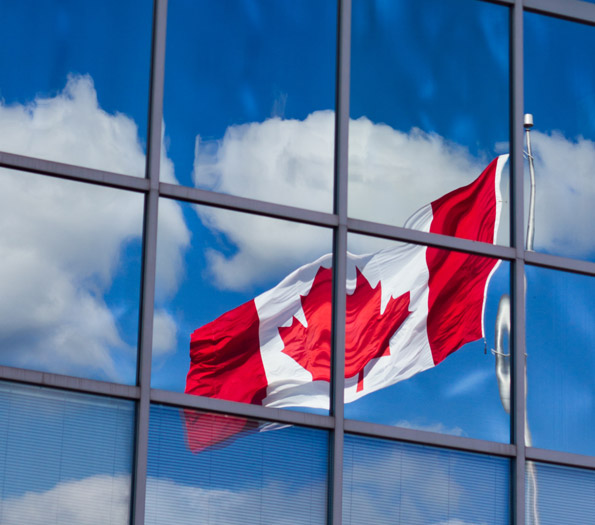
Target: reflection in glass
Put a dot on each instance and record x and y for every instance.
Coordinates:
(560, 365)
(564, 495)
(262, 473)
(66, 457)
(559, 85)
(429, 103)
(75, 81)
(451, 303)
(390, 482)
(240, 308)
(70, 271)
(249, 98)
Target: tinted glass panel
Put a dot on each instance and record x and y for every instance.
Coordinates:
(559, 86)
(559, 495)
(66, 457)
(233, 284)
(69, 276)
(249, 97)
(424, 319)
(388, 482)
(260, 473)
(75, 81)
(429, 99)
(560, 367)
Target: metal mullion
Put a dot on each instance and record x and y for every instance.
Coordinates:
(573, 10)
(555, 262)
(234, 408)
(149, 260)
(244, 204)
(435, 439)
(335, 493)
(499, 2)
(71, 172)
(64, 382)
(555, 457)
(398, 233)
(518, 267)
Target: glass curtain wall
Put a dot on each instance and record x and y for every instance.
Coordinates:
(272, 261)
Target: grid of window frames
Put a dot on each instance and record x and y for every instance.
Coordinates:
(92, 431)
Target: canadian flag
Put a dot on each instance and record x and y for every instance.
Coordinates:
(407, 308)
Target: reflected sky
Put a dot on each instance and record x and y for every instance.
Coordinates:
(235, 63)
(276, 476)
(67, 457)
(70, 269)
(42, 45)
(559, 86)
(421, 485)
(561, 367)
(70, 93)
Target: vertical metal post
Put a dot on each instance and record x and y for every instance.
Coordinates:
(518, 266)
(528, 123)
(149, 260)
(340, 259)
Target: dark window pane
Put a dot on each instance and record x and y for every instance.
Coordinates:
(559, 495)
(249, 97)
(424, 318)
(429, 103)
(559, 87)
(262, 474)
(560, 364)
(66, 457)
(389, 482)
(75, 81)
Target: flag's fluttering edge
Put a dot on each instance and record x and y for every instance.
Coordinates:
(407, 308)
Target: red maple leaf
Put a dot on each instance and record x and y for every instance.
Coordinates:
(367, 331)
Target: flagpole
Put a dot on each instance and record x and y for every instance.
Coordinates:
(528, 124)
(503, 327)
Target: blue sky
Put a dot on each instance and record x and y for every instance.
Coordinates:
(249, 96)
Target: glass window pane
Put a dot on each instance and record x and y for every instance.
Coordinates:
(429, 103)
(66, 457)
(230, 296)
(69, 276)
(75, 81)
(559, 86)
(557, 495)
(390, 482)
(424, 319)
(263, 473)
(249, 97)
(560, 363)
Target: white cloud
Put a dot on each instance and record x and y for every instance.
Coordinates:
(440, 428)
(62, 241)
(473, 382)
(417, 485)
(286, 161)
(164, 333)
(97, 500)
(565, 192)
(275, 503)
(102, 499)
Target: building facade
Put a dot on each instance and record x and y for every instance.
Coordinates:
(162, 164)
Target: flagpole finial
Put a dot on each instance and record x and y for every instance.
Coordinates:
(528, 121)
